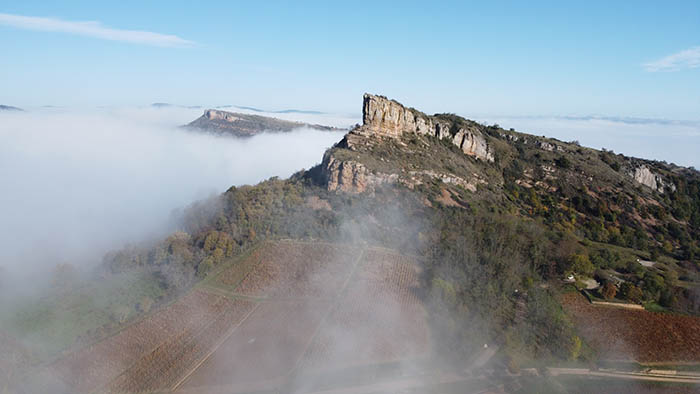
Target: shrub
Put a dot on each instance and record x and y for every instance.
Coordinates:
(608, 291)
(631, 292)
(563, 162)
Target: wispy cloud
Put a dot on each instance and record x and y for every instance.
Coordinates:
(689, 58)
(93, 29)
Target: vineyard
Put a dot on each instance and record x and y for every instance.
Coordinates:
(94, 366)
(379, 319)
(264, 348)
(638, 335)
(286, 306)
(317, 270)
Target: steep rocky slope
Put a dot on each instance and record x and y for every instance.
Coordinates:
(245, 125)
(648, 206)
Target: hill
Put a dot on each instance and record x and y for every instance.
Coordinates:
(471, 229)
(245, 125)
(9, 108)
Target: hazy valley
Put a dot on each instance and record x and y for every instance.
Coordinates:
(423, 253)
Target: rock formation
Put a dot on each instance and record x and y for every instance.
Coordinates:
(245, 125)
(383, 118)
(351, 176)
(643, 175)
(388, 118)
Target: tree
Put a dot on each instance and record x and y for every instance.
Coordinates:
(667, 298)
(563, 162)
(609, 291)
(205, 266)
(581, 264)
(631, 292)
(654, 254)
(653, 284)
(575, 347)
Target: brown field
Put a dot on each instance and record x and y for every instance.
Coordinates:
(14, 358)
(309, 270)
(94, 366)
(639, 335)
(166, 364)
(320, 306)
(265, 348)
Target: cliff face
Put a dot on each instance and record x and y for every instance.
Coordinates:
(643, 175)
(387, 119)
(351, 176)
(384, 117)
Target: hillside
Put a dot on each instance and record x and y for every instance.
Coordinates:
(245, 125)
(9, 108)
(470, 232)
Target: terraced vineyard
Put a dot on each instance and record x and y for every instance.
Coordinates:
(307, 271)
(379, 319)
(640, 335)
(92, 367)
(288, 306)
(265, 347)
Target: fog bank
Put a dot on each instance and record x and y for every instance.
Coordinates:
(657, 139)
(77, 183)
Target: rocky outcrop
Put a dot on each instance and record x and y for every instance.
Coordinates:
(383, 118)
(414, 179)
(643, 175)
(245, 125)
(351, 176)
(388, 118)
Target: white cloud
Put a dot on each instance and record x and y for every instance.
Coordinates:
(93, 29)
(689, 58)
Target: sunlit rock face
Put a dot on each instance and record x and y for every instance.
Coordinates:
(643, 175)
(351, 176)
(388, 118)
(383, 118)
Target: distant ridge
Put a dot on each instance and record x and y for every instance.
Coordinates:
(246, 125)
(9, 108)
(282, 111)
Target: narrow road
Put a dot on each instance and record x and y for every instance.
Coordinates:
(626, 375)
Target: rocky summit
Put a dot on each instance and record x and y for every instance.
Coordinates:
(397, 144)
(245, 125)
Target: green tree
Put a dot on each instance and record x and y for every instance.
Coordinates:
(581, 264)
(631, 292)
(653, 284)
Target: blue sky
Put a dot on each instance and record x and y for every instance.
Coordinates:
(635, 59)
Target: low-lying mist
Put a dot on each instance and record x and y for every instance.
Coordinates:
(630, 136)
(78, 183)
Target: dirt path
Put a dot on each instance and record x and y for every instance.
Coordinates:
(626, 375)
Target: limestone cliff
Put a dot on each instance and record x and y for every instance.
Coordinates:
(643, 175)
(388, 118)
(351, 176)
